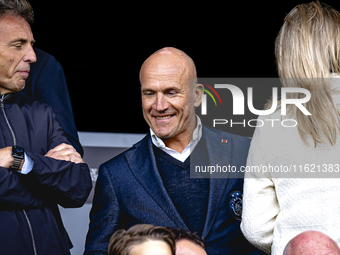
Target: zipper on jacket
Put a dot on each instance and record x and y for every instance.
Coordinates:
(3, 98)
(31, 230)
(2, 106)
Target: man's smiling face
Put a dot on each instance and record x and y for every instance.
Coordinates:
(166, 100)
(170, 93)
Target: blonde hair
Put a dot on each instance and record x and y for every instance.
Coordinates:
(307, 50)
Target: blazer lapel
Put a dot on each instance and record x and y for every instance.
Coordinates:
(219, 152)
(143, 165)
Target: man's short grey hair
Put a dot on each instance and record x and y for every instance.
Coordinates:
(17, 8)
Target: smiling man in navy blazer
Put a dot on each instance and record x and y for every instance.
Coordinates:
(150, 182)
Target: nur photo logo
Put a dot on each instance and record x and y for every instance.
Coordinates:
(204, 98)
(240, 97)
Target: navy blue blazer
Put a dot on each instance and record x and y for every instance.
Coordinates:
(130, 191)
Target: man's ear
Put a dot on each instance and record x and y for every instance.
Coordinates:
(198, 94)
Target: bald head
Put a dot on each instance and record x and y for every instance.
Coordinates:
(170, 94)
(165, 51)
(188, 247)
(312, 243)
(169, 59)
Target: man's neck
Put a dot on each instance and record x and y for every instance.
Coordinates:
(4, 91)
(178, 143)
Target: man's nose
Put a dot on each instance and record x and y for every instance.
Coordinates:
(161, 103)
(30, 56)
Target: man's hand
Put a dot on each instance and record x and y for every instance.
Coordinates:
(65, 152)
(6, 158)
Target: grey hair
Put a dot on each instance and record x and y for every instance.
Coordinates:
(17, 8)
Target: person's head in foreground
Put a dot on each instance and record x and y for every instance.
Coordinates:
(307, 53)
(169, 96)
(312, 243)
(142, 239)
(188, 243)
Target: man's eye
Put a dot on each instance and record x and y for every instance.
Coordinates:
(172, 92)
(18, 45)
(148, 93)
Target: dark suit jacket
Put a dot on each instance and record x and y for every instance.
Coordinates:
(130, 191)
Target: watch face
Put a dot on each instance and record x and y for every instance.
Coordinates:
(18, 151)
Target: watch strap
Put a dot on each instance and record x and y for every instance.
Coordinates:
(18, 155)
(16, 163)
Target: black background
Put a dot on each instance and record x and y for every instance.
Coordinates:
(102, 45)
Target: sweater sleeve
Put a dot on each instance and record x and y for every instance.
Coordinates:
(260, 204)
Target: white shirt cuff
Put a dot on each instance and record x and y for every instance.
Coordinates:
(28, 165)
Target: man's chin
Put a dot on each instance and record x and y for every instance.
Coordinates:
(19, 86)
(164, 136)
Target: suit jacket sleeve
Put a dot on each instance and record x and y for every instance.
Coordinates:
(260, 205)
(104, 215)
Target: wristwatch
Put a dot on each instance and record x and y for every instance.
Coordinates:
(18, 154)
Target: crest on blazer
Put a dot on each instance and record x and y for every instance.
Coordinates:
(235, 204)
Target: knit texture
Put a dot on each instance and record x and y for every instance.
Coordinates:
(189, 195)
(277, 209)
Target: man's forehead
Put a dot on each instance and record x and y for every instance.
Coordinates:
(12, 26)
(163, 85)
(164, 69)
(164, 82)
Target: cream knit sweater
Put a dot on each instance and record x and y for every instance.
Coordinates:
(276, 209)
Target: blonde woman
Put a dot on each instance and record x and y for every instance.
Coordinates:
(296, 192)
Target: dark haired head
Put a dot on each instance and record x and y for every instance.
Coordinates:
(122, 241)
(184, 234)
(17, 8)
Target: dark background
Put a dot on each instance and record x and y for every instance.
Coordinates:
(102, 45)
